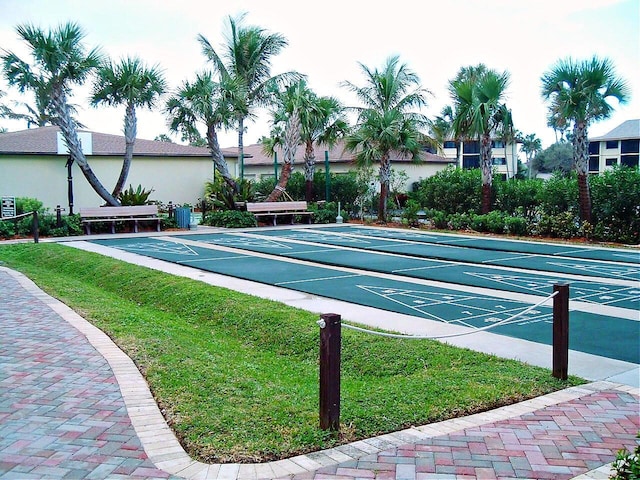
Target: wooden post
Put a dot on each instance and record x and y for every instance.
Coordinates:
(561, 330)
(36, 227)
(58, 216)
(330, 341)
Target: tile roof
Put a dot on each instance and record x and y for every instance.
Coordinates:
(43, 141)
(337, 154)
(626, 130)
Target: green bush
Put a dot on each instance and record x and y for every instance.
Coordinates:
(511, 195)
(560, 225)
(7, 229)
(627, 464)
(218, 193)
(410, 213)
(326, 212)
(459, 221)
(139, 196)
(559, 194)
(230, 219)
(516, 225)
(26, 204)
(615, 198)
(453, 190)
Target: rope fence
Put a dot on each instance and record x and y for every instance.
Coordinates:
(506, 321)
(331, 339)
(35, 228)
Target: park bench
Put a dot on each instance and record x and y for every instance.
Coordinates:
(279, 209)
(133, 213)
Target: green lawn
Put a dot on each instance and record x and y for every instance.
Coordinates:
(237, 376)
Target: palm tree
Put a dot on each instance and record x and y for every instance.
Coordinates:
(322, 122)
(289, 138)
(578, 93)
(132, 84)
(386, 123)
(480, 114)
(245, 64)
(202, 102)
(531, 146)
(60, 61)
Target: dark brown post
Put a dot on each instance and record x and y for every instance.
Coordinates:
(36, 227)
(330, 341)
(561, 330)
(58, 216)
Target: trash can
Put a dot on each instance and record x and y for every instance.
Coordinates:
(183, 217)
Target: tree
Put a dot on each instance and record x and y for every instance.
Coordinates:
(60, 61)
(202, 102)
(480, 114)
(555, 158)
(289, 138)
(163, 137)
(531, 146)
(386, 123)
(132, 84)
(578, 93)
(245, 66)
(322, 122)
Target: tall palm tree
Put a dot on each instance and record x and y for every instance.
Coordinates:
(386, 123)
(531, 146)
(245, 64)
(322, 122)
(289, 138)
(480, 114)
(60, 61)
(202, 102)
(578, 93)
(132, 84)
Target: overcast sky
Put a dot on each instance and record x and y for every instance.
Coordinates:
(328, 40)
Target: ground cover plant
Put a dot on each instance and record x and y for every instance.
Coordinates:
(237, 376)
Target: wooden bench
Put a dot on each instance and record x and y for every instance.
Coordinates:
(279, 209)
(133, 213)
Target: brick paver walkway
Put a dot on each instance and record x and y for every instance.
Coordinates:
(557, 442)
(61, 411)
(63, 414)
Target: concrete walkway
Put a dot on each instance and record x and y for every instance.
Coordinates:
(72, 405)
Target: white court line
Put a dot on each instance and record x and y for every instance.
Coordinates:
(320, 279)
(213, 259)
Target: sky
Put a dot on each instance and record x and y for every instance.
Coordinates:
(329, 40)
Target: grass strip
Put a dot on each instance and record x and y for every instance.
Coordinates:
(237, 376)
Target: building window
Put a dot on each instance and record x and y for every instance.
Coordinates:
(498, 161)
(629, 160)
(630, 146)
(594, 164)
(449, 144)
(594, 148)
(497, 144)
(610, 162)
(471, 147)
(471, 161)
(612, 144)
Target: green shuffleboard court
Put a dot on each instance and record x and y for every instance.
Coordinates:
(592, 333)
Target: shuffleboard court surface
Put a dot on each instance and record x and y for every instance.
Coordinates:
(590, 333)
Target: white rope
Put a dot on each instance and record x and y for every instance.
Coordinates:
(437, 337)
(22, 215)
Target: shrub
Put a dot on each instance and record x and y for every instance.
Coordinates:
(139, 196)
(7, 229)
(410, 213)
(326, 212)
(459, 221)
(230, 219)
(561, 225)
(627, 464)
(219, 194)
(559, 194)
(516, 225)
(512, 195)
(453, 190)
(615, 197)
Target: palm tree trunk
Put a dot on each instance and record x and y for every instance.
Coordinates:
(241, 146)
(581, 159)
(291, 140)
(130, 133)
(385, 176)
(218, 158)
(68, 129)
(309, 170)
(485, 155)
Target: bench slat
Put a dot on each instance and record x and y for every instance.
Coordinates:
(133, 213)
(275, 209)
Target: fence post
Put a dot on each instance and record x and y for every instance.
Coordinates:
(330, 341)
(36, 227)
(561, 330)
(170, 208)
(58, 216)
